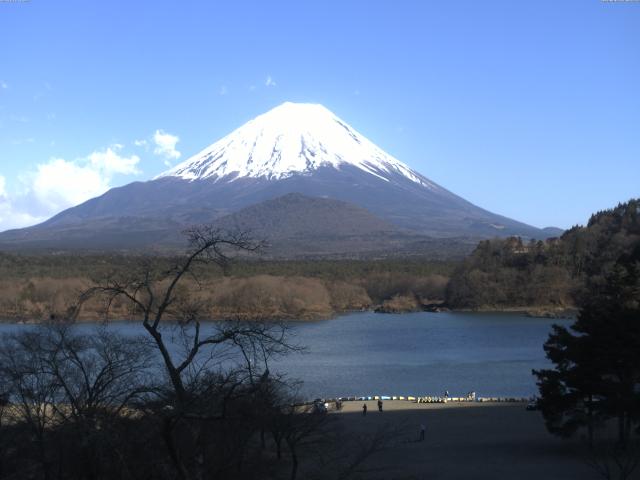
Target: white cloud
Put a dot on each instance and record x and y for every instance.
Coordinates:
(141, 143)
(270, 82)
(59, 184)
(11, 219)
(7, 218)
(3, 191)
(223, 90)
(166, 145)
(252, 88)
(4, 85)
(109, 162)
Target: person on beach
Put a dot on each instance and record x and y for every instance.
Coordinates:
(446, 394)
(364, 409)
(379, 405)
(422, 431)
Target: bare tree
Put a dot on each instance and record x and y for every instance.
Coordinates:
(33, 395)
(186, 400)
(97, 372)
(299, 430)
(156, 297)
(70, 390)
(613, 461)
(236, 352)
(4, 404)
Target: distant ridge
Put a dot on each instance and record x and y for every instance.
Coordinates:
(296, 215)
(298, 226)
(553, 231)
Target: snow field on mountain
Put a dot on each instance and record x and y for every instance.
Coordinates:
(293, 138)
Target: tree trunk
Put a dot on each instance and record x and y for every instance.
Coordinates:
(46, 468)
(621, 430)
(590, 421)
(174, 375)
(167, 435)
(277, 439)
(627, 428)
(294, 461)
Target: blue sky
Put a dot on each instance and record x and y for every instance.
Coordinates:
(528, 109)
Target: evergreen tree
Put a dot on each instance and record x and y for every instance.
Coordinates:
(597, 360)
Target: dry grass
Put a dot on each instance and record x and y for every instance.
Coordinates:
(251, 297)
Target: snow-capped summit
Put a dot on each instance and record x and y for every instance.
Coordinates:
(290, 139)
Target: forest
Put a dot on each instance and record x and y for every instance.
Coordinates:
(549, 274)
(541, 277)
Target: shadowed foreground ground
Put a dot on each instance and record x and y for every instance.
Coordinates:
(466, 441)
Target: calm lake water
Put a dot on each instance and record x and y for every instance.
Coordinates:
(411, 354)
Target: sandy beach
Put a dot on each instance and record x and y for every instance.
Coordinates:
(466, 441)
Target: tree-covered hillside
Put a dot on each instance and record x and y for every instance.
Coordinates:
(511, 273)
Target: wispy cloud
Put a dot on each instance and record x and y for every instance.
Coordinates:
(166, 146)
(163, 144)
(270, 82)
(22, 141)
(19, 118)
(42, 93)
(4, 85)
(223, 90)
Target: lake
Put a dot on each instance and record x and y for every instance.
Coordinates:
(368, 353)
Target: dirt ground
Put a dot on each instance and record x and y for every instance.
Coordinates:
(466, 441)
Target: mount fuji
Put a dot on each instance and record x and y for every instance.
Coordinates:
(292, 139)
(292, 149)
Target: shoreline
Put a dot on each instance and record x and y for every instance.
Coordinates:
(426, 399)
(568, 313)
